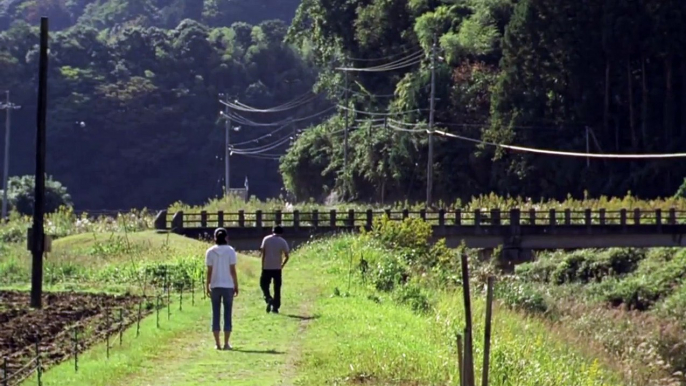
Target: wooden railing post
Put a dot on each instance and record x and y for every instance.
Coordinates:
(315, 218)
(602, 217)
(672, 216)
(203, 219)
(568, 217)
(388, 213)
(658, 219)
(332, 218)
(588, 218)
(241, 218)
(296, 219)
(458, 217)
(278, 217)
(220, 219)
(370, 218)
(637, 216)
(477, 218)
(532, 216)
(515, 218)
(258, 219)
(622, 218)
(161, 220)
(177, 222)
(441, 218)
(351, 218)
(406, 213)
(552, 218)
(495, 216)
(422, 214)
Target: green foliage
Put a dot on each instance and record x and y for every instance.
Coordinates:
(20, 194)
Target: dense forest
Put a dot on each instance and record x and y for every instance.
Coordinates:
(145, 76)
(606, 74)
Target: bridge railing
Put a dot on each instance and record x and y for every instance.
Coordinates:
(476, 218)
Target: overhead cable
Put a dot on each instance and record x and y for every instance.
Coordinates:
(299, 101)
(407, 61)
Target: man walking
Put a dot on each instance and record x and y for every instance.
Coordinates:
(221, 284)
(273, 249)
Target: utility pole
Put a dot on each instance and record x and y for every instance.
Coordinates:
(38, 246)
(347, 113)
(8, 107)
(430, 161)
(227, 137)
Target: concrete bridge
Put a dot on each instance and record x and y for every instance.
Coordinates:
(517, 232)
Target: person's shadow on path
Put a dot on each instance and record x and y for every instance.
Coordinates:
(272, 351)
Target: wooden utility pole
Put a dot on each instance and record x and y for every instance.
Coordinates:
(39, 193)
(430, 161)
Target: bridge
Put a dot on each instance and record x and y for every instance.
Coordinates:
(516, 231)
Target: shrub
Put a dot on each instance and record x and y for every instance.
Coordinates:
(521, 296)
(20, 191)
(645, 287)
(412, 295)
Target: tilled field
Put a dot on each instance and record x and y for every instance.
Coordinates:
(52, 328)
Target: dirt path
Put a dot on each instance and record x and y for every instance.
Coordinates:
(266, 346)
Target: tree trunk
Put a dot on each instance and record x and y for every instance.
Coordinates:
(644, 105)
(632, 117)
(606, 110)
(669, 102)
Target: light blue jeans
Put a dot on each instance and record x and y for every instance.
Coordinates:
(221, 296)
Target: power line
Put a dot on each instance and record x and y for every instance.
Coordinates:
(406, 50)
(297, 102)
(407, 61)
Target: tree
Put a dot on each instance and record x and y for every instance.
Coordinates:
(20, 194)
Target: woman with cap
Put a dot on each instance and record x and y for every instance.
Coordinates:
(221, 283)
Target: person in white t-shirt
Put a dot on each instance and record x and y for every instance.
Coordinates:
(221, 283)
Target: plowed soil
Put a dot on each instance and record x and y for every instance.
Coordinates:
(51, 330)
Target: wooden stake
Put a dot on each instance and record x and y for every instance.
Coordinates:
(487, 333)
(460, 361)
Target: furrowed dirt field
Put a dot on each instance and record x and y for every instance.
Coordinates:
(53, 327)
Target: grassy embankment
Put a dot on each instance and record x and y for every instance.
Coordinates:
(384, 328)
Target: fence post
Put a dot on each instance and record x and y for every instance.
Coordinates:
(487, 332)
(315, 218)
(181, 298)
(370, 219)
(332, 218)
(76, 348)
(121, 326)
(39, 369)
(138, 320)
(241, 218)
(203, 219)
(296, 220)
(278, 217)
(107, 331)
(351, 218)
(5, 378)
(469, 356)
(168, 302)
(258, 219)
(460, 360)
(220, 219)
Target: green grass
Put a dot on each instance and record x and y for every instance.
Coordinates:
(353, 334)
(366, 336)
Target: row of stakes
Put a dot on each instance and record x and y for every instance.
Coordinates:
(9, 380)
(465, 348)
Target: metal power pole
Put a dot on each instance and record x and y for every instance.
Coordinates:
(430, 161)
(345, 138)
(39, 193)
(8, 107)
(227, 137)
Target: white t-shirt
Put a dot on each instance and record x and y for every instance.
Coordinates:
(221, 258)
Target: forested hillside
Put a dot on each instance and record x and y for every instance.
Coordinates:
(606, 74)
(144, 77)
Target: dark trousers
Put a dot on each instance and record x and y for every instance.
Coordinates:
(265, 281)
